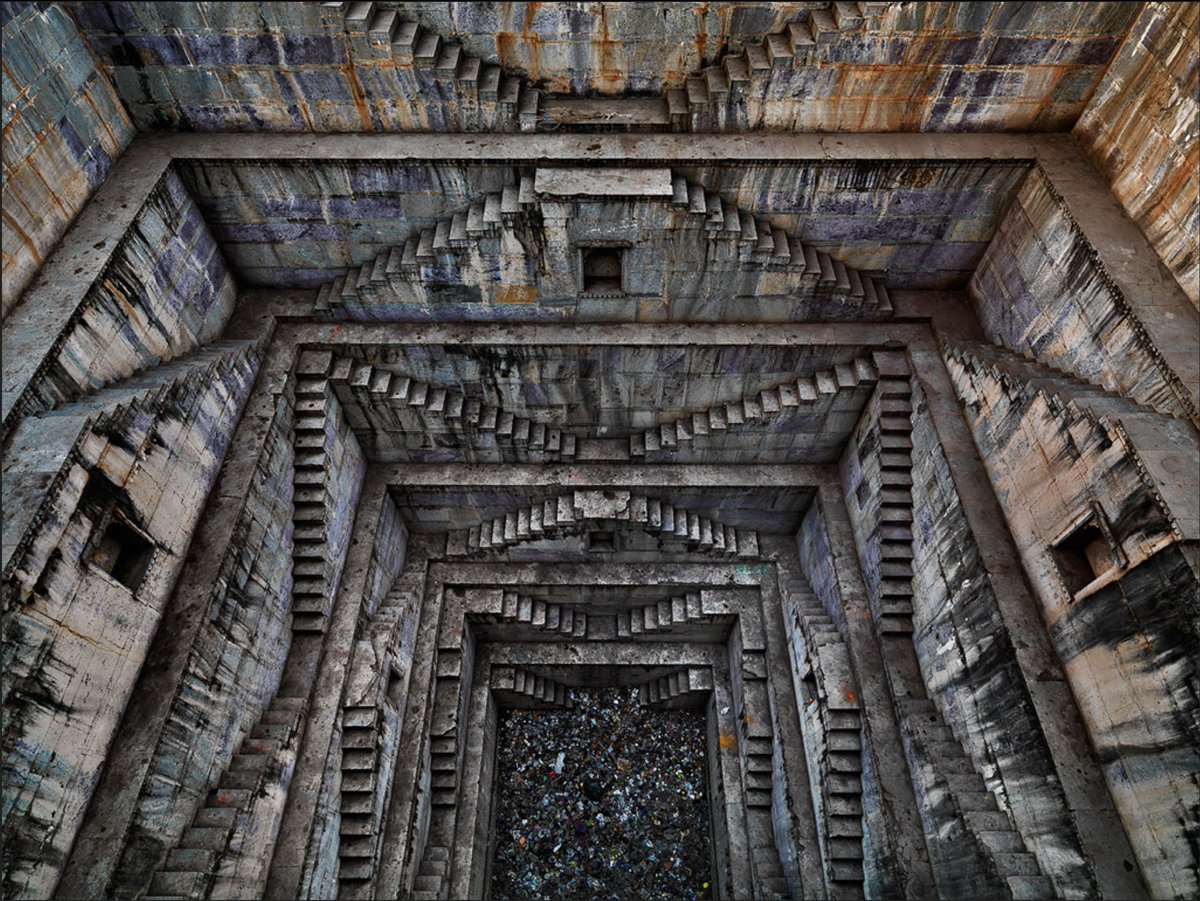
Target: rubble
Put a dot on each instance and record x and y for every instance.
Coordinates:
(626, 818)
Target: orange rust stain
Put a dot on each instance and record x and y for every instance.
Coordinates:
(516, 294)
(609, 77)
(114, 146)
(356, 92)
(726, 740)
(701, 35)
(749, 719)
(850, 696)
(25, 239)
(533, 40)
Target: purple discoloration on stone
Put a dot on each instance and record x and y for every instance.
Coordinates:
(277, 231)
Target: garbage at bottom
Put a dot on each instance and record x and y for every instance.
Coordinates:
(603, 801)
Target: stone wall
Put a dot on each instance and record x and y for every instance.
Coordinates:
(77, 633)
(63, 128)
(296, 223)
(165, 290)
(231, 671)
(969, 666)
(816, 559)
(298, 67)
(1126, 641)
(1140, 130)
(1042, 290)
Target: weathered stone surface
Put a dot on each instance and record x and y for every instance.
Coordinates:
(505, 414)
(63, 128)
(1139, 129)
(1041, 289)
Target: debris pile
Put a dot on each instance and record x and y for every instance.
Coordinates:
(603, 801)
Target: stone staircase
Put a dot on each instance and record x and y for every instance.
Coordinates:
(179, 385)
(829, 703)
(465, 248)
(759, 409)
(1078, 395)
(575, 512)
(359, 795)
(538, 613)
(475, 95)
(433, 875)
(470, 94)
(314, 406)
(520, 688)
(421, 408)
(364, 773)
(954, 772)
(191, 867)
(686, 687)
(718, 97)
(757, 745)
(894, 611)
(665, 615)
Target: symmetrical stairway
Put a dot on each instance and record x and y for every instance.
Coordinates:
(760, 409)
(722, 97)
(520, 688)
(465, 248)
(572, 513)
(1078, 395)
(537, 613)
(422, 408)
(433, 875)
(686, 687)
(954, 772)
(311, 592)
(670, 614)
(368, 749)
(833, 733)
(468, 93)
(756, 743)
(192, 867)
(894, 611)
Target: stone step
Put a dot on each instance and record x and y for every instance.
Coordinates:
(254, 763)
(174, 884)
(983, 820)
(356, 846)
(213, 838)
(241, 779)
(221, 818)
(1002, 841)
(190, 860)
(1016, 863)
(1026, 888)
(355, 870)
(846, 848)
(846, 870)
(981, 801)
(233, 797)
(758, 798)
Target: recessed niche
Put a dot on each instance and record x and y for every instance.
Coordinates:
(602, 542)
(602, 270)
(1083, 555)
(123, 553)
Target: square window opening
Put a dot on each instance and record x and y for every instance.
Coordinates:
(123, 554)
(602, 270)
(1083, 555)
(603, 542)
